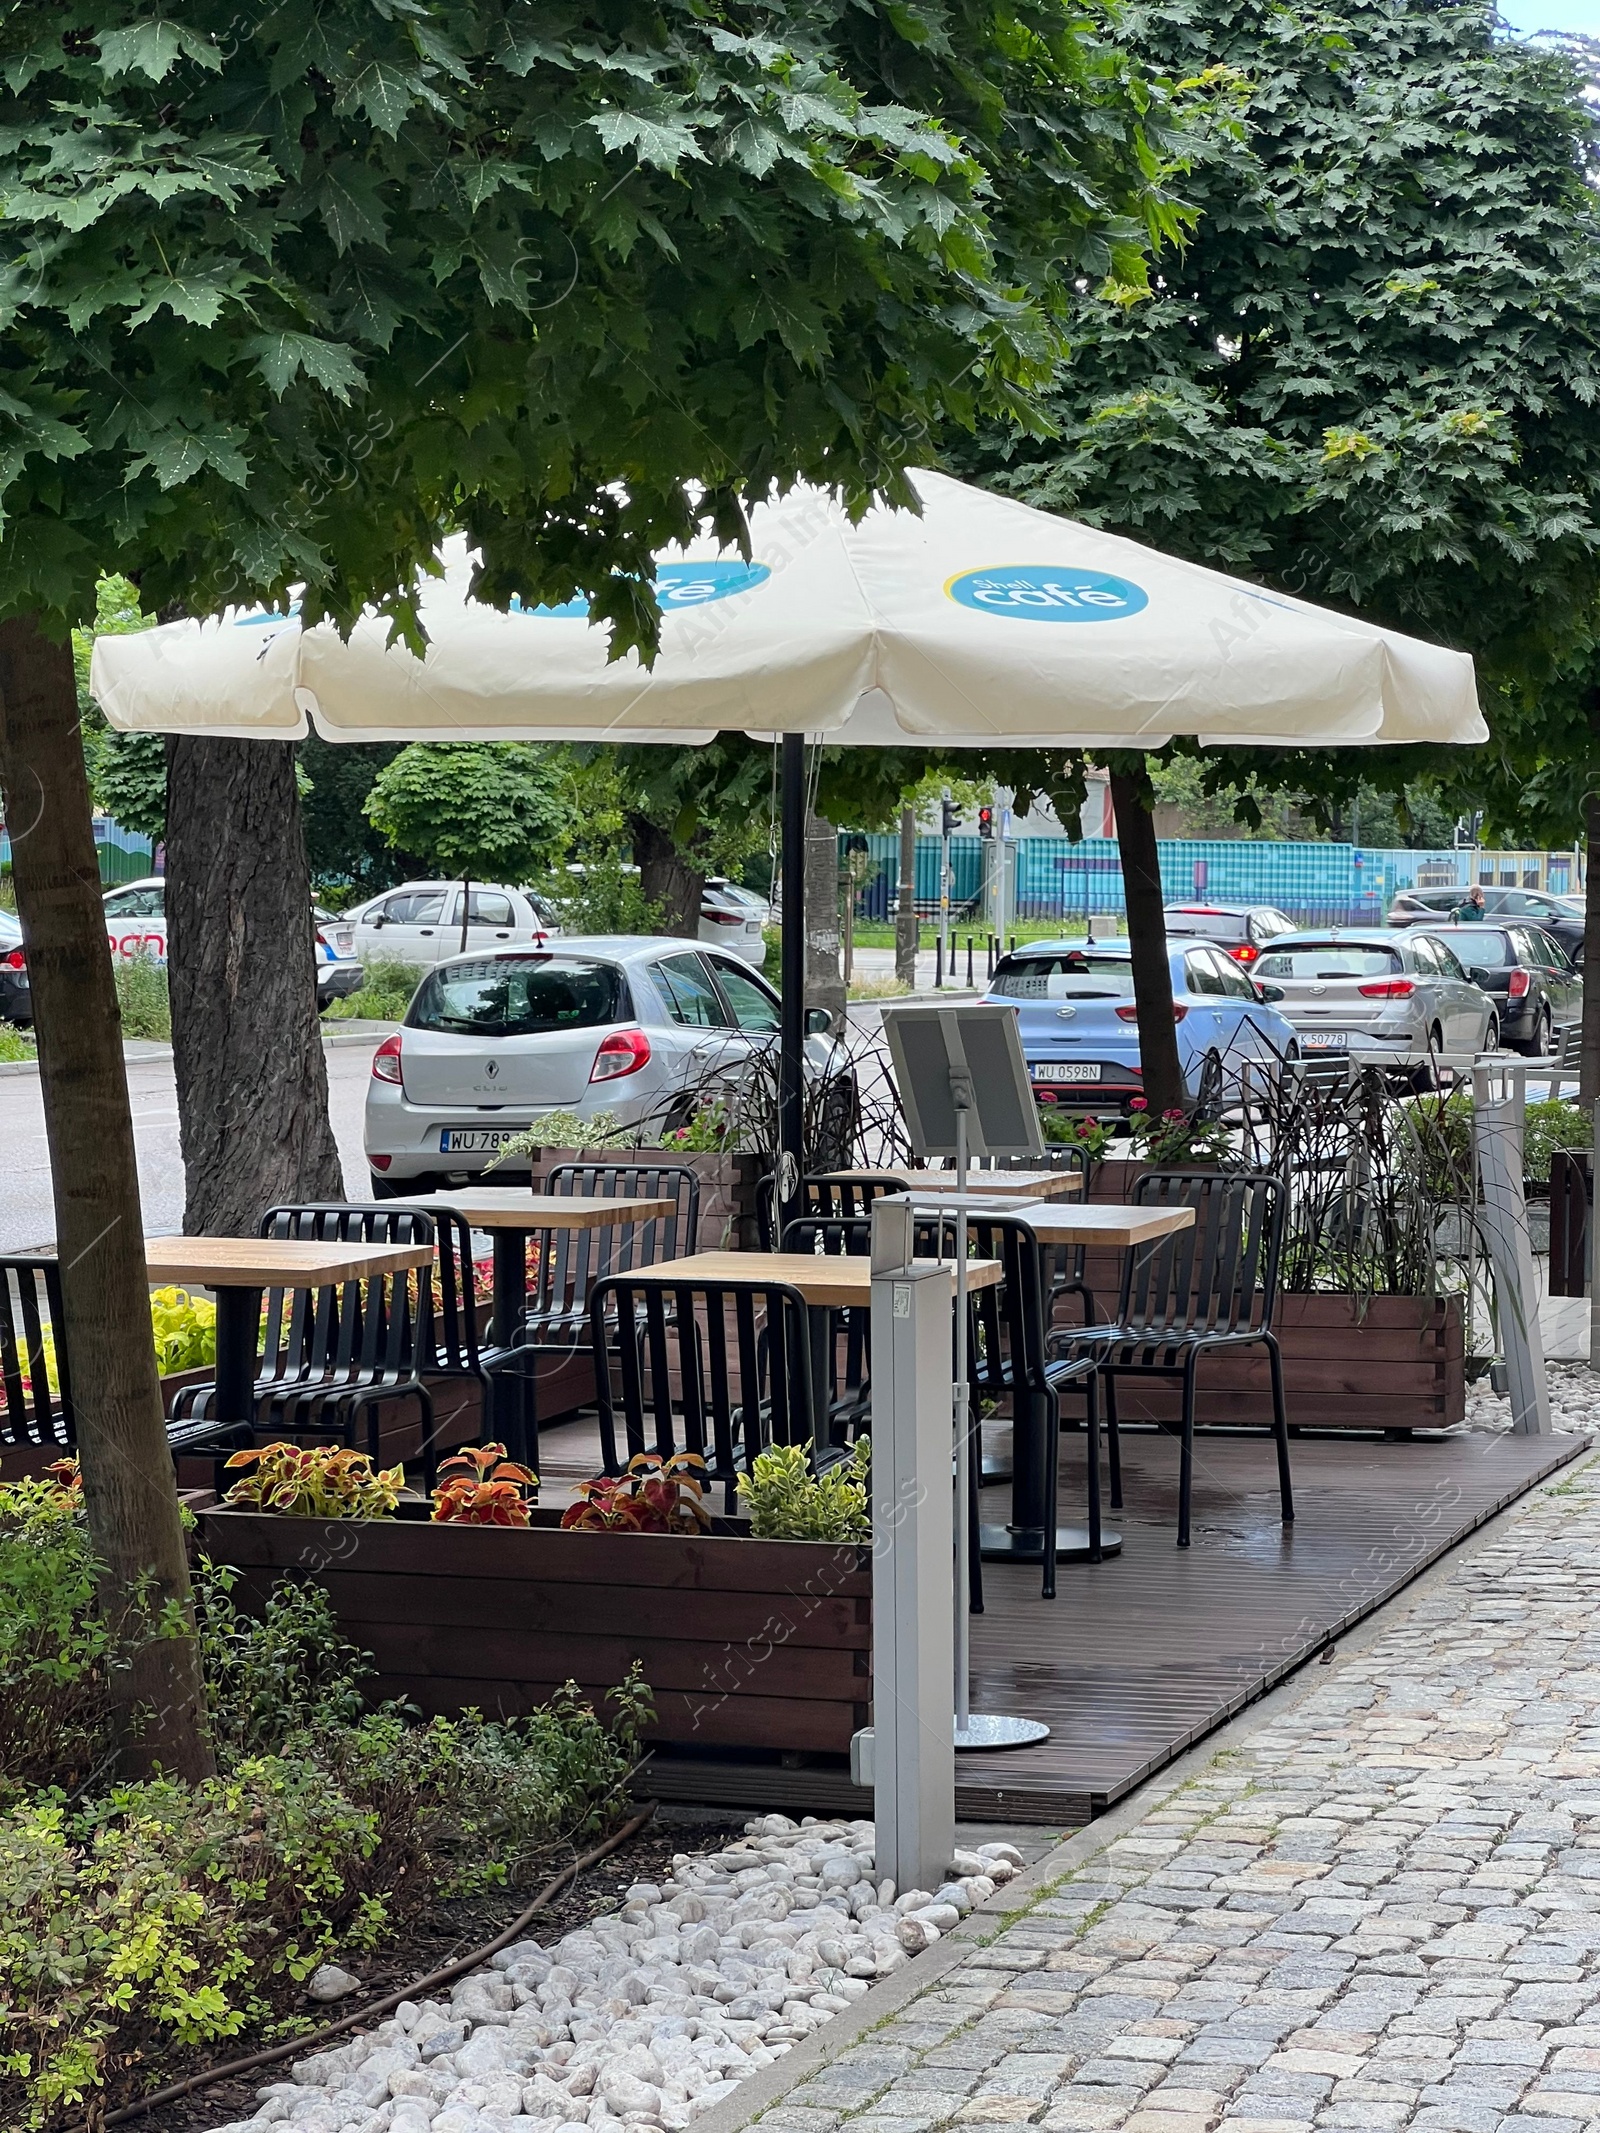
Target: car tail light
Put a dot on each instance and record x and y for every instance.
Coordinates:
(16, 960)
(323, 941)
(1388, 989)
(623, 1052)
(386, 1059)
(1520, 981)
(1131, 1014)
(1245, 952)
(380, 1162)
(724, 918)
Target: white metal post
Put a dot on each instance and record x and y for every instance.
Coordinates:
(913, 1537)
(1498, 1101)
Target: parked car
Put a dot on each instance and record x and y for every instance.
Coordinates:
(420, 921)
(734, 917)
(1561, 916)
(647, 1029)
(1243, 929)
(1379, 998)
(16, 1001)
(1537, 992)
(1080, 1028)
(136, 925)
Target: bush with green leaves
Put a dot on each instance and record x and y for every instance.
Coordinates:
(787, 1501)
(142, 997)
(16, 1046)
(607, 897)
(384, 996)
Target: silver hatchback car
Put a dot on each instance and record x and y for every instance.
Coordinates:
(1378, 998)
(644, 1028)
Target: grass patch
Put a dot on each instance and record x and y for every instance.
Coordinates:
(142, 998)
(868, 988)
(385, 996)
(15, 1045)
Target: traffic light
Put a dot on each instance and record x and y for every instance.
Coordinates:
(985, 821)
(951, 817)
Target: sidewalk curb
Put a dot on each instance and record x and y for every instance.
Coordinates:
(158, 1054)
(771, 2084)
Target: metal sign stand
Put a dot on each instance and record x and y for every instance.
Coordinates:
(943, 1057)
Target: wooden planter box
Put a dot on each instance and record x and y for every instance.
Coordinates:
(746, 1643)
(1393, 1363)
(729, 1188)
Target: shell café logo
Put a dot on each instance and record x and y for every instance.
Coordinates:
(678, 585)
(1047, 592)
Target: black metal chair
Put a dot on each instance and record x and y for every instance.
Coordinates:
(31, 1345)
(331, 1356)
(1211, 1286)
(454, 1349)
(719, 1368)
(678, 1233)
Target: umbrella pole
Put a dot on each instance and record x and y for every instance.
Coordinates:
(792, 1029)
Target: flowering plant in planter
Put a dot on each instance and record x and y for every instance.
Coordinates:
(1060, 1129)
(655, 1495)
(486, 1489)
(320, 1481)
(1176, 1136)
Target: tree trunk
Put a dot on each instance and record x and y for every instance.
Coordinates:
(1589, 1064)
(906, 931)
(669, 879)
(241, 967)
(824, 978)
(129, 1495)
(1147, 938)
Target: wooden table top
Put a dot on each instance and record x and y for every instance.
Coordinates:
(1114, 1225)
(1005, 1184)
(831, 1281)
(274, 1262)
(539, 1210)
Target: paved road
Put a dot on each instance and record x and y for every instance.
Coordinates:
(26, 1218)
(1381, 1913)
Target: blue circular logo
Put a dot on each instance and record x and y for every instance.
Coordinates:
(1046, 592)
(678, 585)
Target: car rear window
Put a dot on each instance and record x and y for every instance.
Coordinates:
(1478, 944)
(1330, 960)
(1208, 925)
(1072, 975)
(503, 997)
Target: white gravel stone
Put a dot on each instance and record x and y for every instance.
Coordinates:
(331, 1983)
(643, 2021)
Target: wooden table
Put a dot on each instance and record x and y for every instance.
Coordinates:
(1114, 1224)
(1006, 1184)
(511, 1218)
(239, 1268)
(830, 1282)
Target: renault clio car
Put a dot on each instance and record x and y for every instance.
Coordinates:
(644, 1028)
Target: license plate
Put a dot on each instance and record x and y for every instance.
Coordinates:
(475, 1140)
(1067, 1070)
(1325, 1040)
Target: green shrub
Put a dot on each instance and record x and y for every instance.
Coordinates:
(1547, 1127)
(384, 997)
(786, 1501)
(607, 897)
(56, 1652)
(272, 1676)
(16, 1046)
(142, 997)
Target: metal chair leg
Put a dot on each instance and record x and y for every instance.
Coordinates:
(1113, 1442)
(1050, 1416)
(1092, 1426)
(1280, 1428)
(1186, 1462)
(974, 1537)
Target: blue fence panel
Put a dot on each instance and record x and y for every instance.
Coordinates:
(124, 854)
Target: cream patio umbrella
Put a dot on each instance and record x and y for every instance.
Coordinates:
(979, 623)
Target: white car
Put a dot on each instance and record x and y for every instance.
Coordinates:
(645, 1028)
(734, 917)
(136, 925)
(420, 922)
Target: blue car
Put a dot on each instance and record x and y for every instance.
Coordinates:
(1080, 1029)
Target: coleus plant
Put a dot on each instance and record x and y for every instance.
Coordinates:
(480, 1486)
(317, 1481)
(654, 1495)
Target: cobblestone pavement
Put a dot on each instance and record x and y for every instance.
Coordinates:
(1382, 1912)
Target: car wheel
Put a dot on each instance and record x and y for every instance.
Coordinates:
(1430, 1075)
(1545, 1042)
(1491, 1036)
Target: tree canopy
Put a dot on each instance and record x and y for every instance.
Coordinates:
(1373, 376)
(491, 811)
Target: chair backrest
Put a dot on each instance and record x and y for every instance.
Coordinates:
(671, 1238)
(30, 1316)
(355, 1332)
(455, 1318)
(718, 1368)
(845, 1193)
(1008, 1321)
(1221, 1276)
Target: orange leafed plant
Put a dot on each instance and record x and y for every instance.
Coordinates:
(655, 1495)
(486, 1489)
(319, 1481)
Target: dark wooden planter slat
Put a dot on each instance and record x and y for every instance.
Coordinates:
(718, 1718)
(494, 1655)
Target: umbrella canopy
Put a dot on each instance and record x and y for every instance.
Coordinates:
(983, 623)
